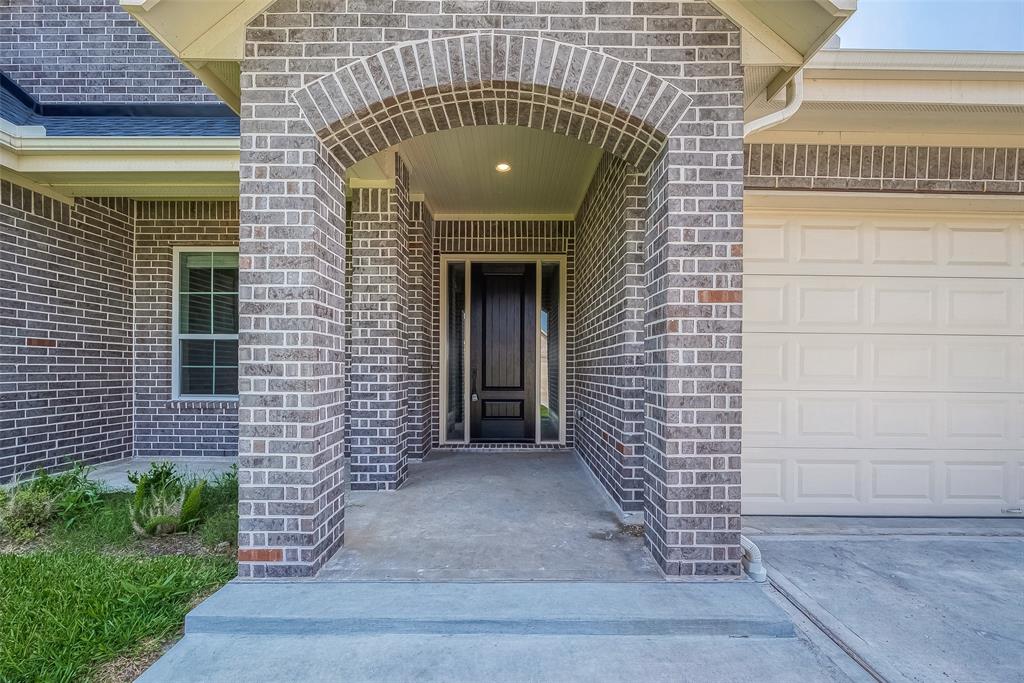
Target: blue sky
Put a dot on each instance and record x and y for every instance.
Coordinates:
(994, 25)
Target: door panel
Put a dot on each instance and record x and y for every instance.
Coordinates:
(502, 355)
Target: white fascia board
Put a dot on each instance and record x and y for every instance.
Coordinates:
(922, 64)
(910, 91)
(118, 155)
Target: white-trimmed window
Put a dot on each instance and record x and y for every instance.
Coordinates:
(205, 340)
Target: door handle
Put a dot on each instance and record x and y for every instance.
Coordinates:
(472, 382)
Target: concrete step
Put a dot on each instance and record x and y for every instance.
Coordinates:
(731, 609)
(228, 658)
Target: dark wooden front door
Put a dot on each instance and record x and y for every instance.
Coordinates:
(503, 352)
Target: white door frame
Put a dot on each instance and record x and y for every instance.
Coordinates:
(469, 259)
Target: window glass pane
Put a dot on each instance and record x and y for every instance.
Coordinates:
(196, 280)
(195, 272)
(197, 351)
(224, 259)
(225, 313)
(455, 420)
(225, 279)
(227, 353)
(195, 314)
(550, 352)
(197, 381)
(225, 381)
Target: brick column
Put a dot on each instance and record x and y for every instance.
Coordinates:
(291, 348)
(692, 342)
(378, 405)
(421, 327)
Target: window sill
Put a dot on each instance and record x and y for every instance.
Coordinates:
(204, 402)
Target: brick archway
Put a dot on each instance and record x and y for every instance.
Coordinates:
(680, 136)
(492, 79)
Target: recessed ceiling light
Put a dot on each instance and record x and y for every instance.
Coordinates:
(503, 167)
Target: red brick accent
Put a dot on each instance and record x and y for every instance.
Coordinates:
(38, 341)
(260, 555)
(720, 296)
(736, 250)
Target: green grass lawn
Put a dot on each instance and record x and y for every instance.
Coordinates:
(85, 590)
(65, 612)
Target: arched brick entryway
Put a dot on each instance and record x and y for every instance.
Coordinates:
(297, 143)
(492, 80)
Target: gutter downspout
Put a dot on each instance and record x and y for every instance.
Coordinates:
(752, 560)
(794, 98)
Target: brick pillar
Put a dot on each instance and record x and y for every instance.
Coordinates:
(692, 342)
(421, 327)
(378, 405)
(291, 349)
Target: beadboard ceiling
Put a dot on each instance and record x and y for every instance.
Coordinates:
(454, 171)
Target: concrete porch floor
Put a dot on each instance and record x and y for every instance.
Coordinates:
(499, 516)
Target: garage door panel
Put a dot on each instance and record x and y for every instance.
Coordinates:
(776, 303)
(921, 245)
(883, 362)
(865, 482)
(891, 420)
(865, 362)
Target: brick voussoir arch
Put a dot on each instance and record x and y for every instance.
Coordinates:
(487, 79)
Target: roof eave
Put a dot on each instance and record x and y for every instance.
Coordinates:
(208, 38)
(140, 167)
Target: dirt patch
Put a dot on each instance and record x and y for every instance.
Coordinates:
(127, 667)
(634, 530)
(11, 547)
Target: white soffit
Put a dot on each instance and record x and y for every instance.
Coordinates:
(777, 38)
(454, 171)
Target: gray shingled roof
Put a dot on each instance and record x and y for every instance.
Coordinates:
(112, 121)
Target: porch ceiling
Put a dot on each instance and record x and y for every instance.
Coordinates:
(454, 172)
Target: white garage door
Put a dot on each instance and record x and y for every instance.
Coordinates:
(883, 362)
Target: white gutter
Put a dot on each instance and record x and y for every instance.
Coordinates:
(752, 560)
(794, 98)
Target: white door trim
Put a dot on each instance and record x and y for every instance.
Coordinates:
(469, 259)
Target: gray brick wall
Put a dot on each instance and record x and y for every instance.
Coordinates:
(89, 51)
(166, 427)
(378, 404)
(291, 413)
(65, 331)
(885, 168)
(609, 330)
(422, 331)
(86, 350)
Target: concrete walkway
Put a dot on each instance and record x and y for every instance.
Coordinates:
(914, 599)
(527, 516)
(499, 632)
(115, 474)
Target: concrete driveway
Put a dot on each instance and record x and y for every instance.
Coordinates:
(911, 599)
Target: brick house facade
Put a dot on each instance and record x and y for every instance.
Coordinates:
(340, 298)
